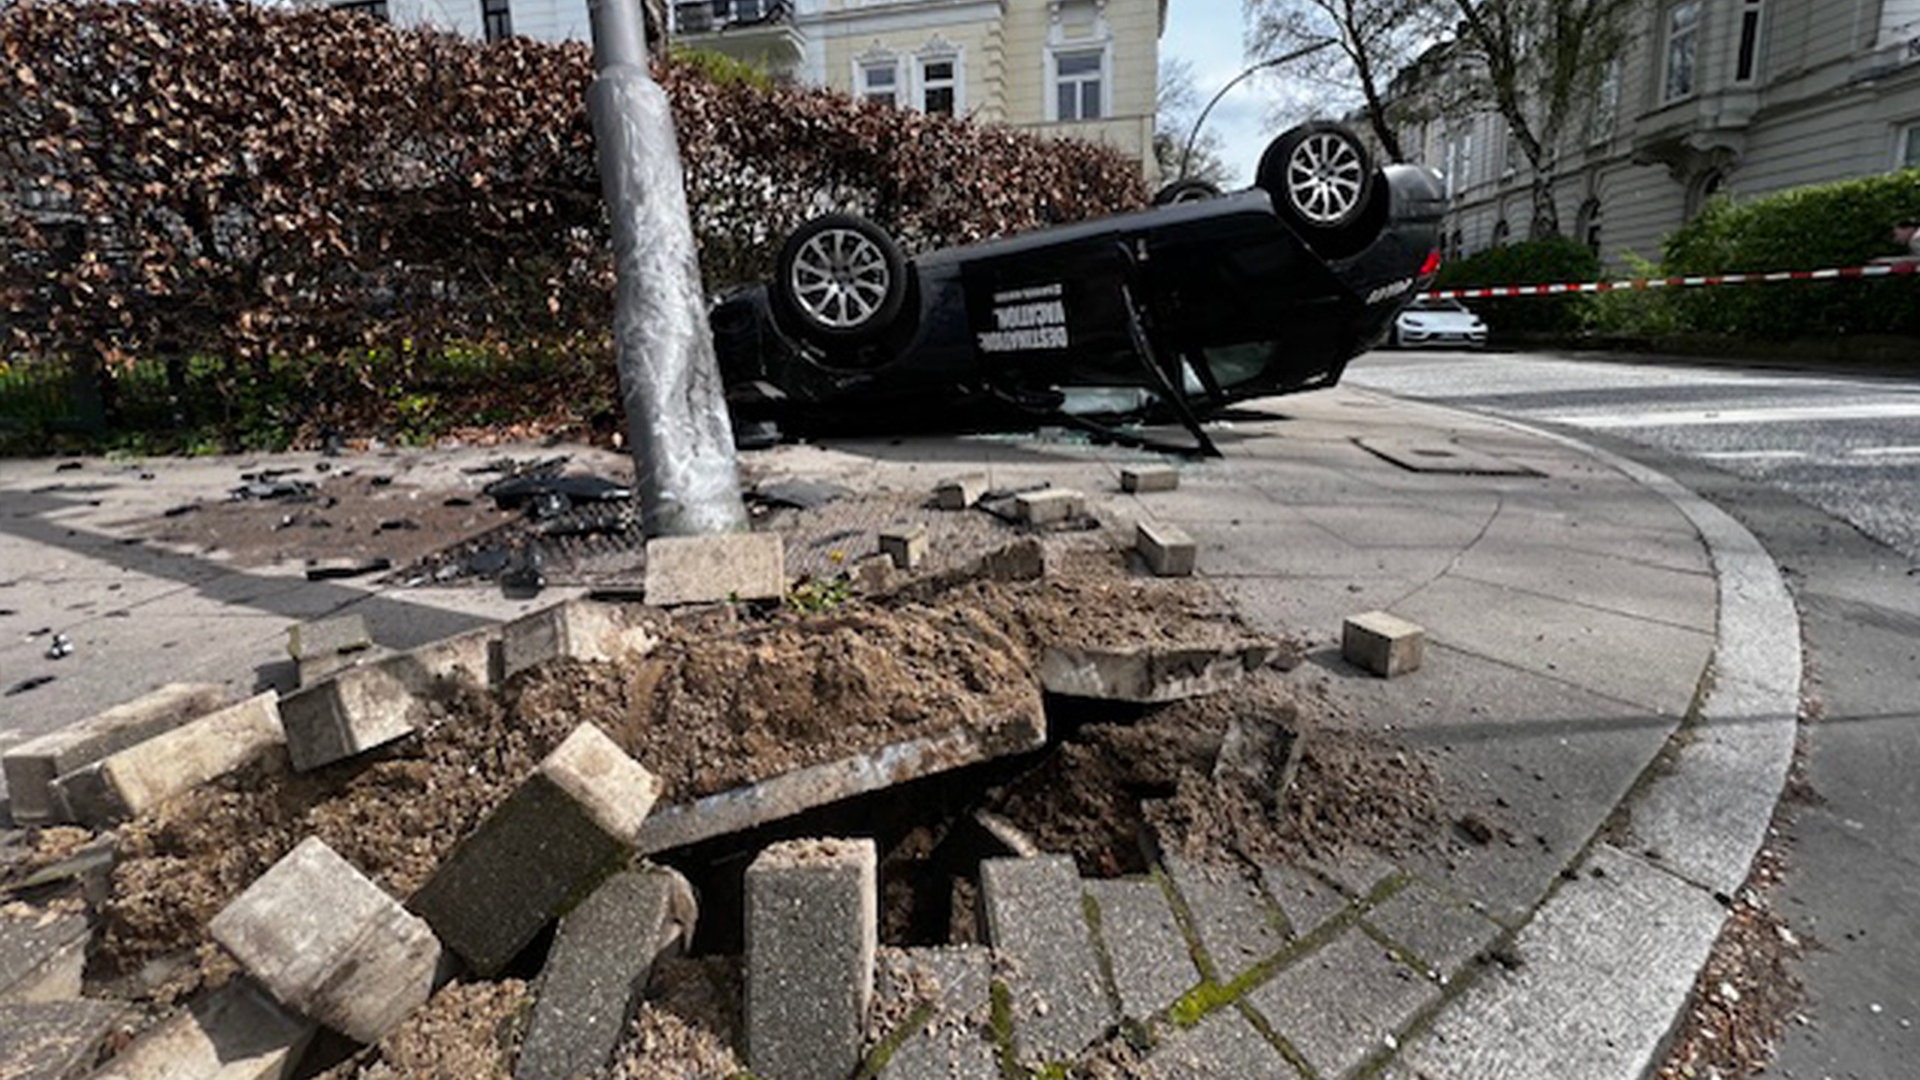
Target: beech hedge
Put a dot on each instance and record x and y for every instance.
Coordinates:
(1812, 228)
(205, 179)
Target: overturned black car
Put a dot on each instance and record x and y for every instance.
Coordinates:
(1162, 315)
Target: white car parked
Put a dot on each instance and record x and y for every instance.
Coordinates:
(1427, 321)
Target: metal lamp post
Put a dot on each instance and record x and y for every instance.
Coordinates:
(1276, 61)
(686, 474)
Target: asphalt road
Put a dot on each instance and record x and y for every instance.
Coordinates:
(1825, 471)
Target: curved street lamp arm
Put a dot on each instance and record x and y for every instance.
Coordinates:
(1274, 61)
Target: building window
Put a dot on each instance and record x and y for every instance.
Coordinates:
(1459, 168)
(1587, 225)
(1079, 85)
(939, 85)
(1606, 100)
(496, 20)
(373, 8)
(1907, 150)
(1502, 232)
(1747, 62)
(1683, 48)
(878, 80)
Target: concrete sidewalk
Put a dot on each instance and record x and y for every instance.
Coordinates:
(1581, 612)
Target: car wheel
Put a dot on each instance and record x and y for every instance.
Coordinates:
(1184, 191)
(1320, 176)
(840, 279)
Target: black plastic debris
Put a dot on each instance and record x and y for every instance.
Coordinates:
(40, 633)
(264, 490)
(799, 494)
(457, 500)
(509, 467)
(488, 561)
(515, 492)
(526, 576)
(356, 568)
(34, 682)
(68, 466)
(397, 525)
(180, 511)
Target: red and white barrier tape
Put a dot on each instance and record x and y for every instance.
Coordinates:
(1877, 270)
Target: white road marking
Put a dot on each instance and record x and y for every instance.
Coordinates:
(1754, 455)
(1885, 451)
(1879, 410)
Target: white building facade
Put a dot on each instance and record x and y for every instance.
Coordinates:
(1736, 97)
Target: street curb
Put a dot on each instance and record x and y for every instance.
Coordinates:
(1611, 956)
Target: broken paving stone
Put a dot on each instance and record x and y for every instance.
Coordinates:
(812, 932)
(1150, 674)
(1384, 644)
(330, 944)
(237, 1032)
(582, 629)
(568, 825)
(526, 491)
(601, 958)
(960, 492)
(370, 705)
(790, 793)
(1167, 550)
(1152, 962)
(56, 1040)
(325, 646)
(1141, 479)
(906, 545)
(42, 954)
(132, 781)
(1053, 506)
(710, 569)
(32, 767)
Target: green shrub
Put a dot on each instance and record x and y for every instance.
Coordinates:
(1532, 262)
(1833, 225)
(1638, 313)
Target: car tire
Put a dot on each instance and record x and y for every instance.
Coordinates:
(1321, 178)
(1185, 191)
(840, 280)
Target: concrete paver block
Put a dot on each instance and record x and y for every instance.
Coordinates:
(1232, 917)
(811, 936)
(1034, 914)
(1167, 549)
(325, 646)
(237, 1032)
(1140, 479)
(370, 705)
(1150, 673)
(906, 545)
(1223, 1046)
(1384, 644)
(874, 574)
(582, 629)
(1441, 932)
(139, 778)
(1338, 1004)
(605, 950)
(960, 492)
(330, 944)
(32, 767)
(1306, 901)
(53, 1040)
(602, 957)
(43, 955)
(568, 825)
(1050, 507)
(1152, 965)
(709, 569)
(955, 1042)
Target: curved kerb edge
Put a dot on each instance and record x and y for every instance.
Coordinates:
(1611, 956)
